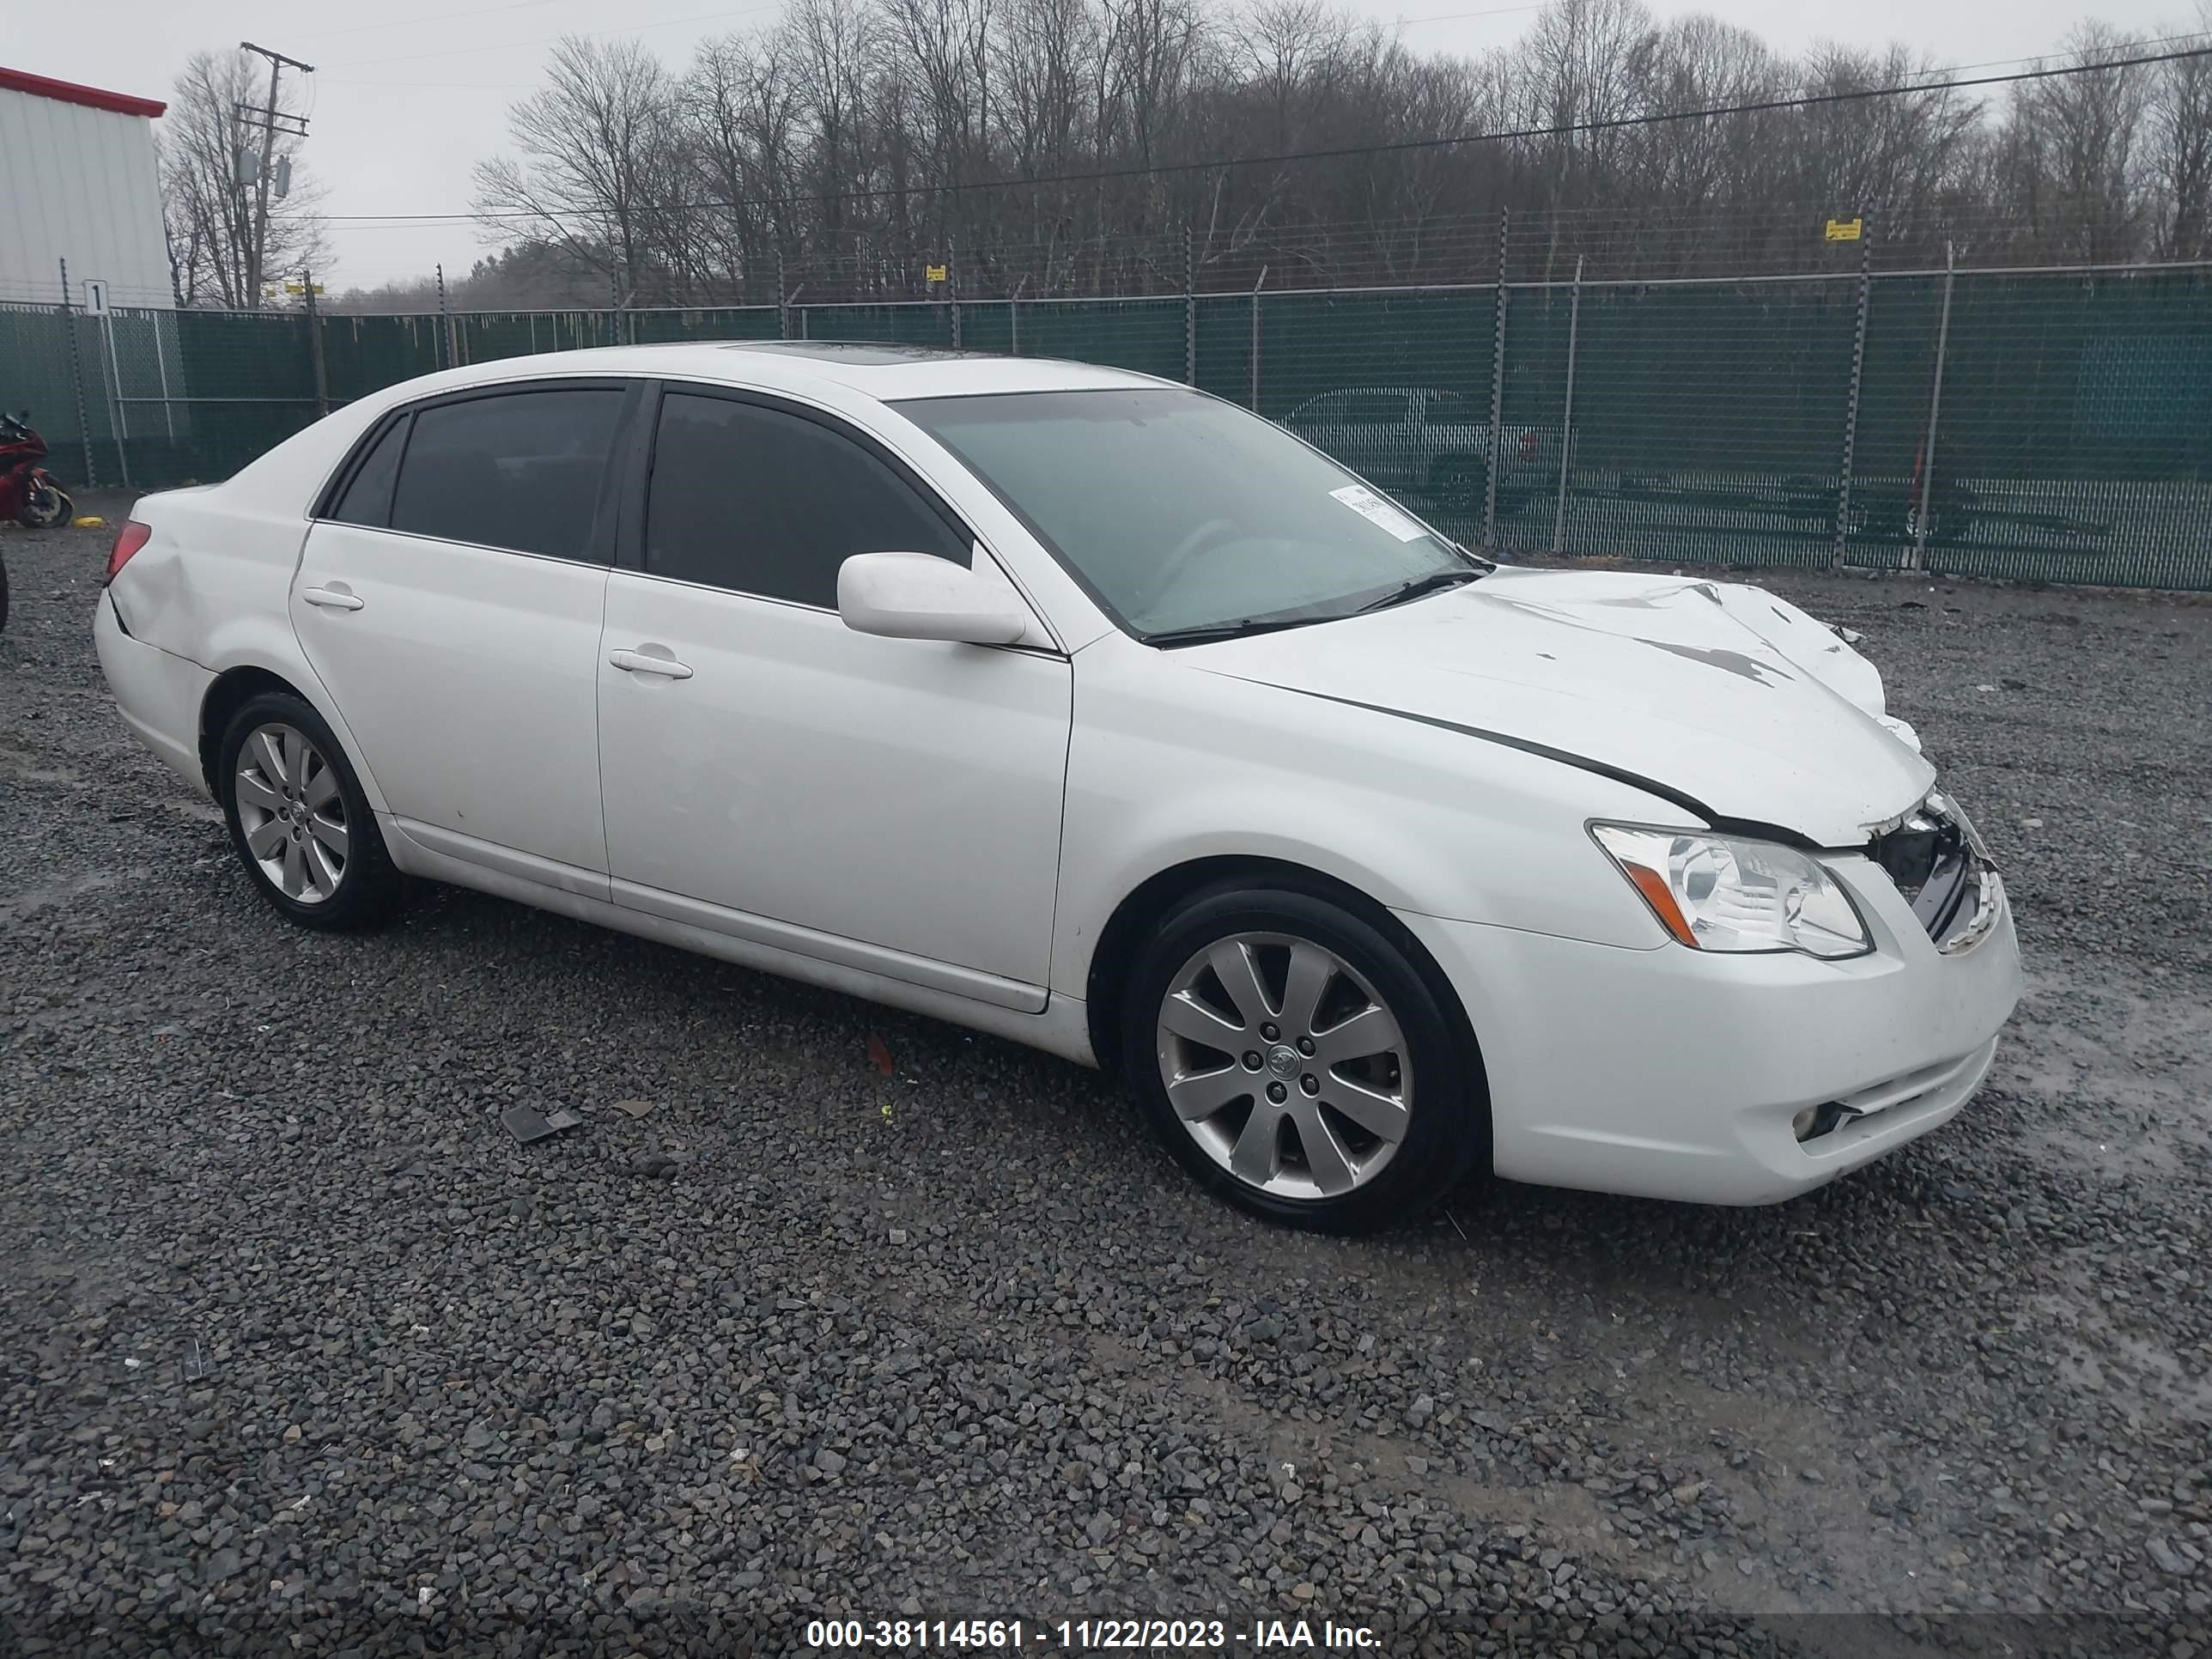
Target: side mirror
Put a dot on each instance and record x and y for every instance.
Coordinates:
(918, 596)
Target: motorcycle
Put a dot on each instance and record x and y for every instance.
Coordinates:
(28, 494)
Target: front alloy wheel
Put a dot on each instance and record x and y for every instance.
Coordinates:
(1273, 1033)
(1284, 1066)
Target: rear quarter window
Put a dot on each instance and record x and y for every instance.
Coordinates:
(364, 498)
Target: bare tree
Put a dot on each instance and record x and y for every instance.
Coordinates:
(1082, 145)
(214, 257)
(2071, 154)
(596, 161)
(2177, 137)
(741, 109)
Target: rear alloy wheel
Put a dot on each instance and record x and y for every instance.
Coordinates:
(1297, 1061)
(299, 819)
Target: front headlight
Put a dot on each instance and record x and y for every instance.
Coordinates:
(1717, 893)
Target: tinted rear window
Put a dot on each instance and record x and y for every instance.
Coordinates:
(519, 470)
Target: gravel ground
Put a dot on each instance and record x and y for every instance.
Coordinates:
(300, 1345)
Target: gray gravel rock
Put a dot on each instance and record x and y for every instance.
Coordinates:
(302, 1346)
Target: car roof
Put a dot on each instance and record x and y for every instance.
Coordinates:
(888, 372)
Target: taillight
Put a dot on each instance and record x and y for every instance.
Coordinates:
(132, 537)
(1528, 446)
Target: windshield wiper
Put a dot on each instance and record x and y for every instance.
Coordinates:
(1435, 581)
(1208, 632)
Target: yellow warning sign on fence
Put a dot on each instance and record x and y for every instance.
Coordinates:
(934, 273)
(1845, 230)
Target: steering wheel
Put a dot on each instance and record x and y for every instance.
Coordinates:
(1179, 558)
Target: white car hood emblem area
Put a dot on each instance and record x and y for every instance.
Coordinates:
(1724, 696)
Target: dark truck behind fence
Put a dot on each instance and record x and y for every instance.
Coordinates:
(2050, 425)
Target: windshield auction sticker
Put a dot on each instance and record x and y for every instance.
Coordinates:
(1370, 506)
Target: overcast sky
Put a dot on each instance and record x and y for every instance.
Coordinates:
(408, 95)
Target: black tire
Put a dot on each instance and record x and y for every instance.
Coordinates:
(368, 889)
(1461, 483)
(45, 506)
(1448, 1107)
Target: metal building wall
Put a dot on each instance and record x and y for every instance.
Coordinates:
(80, 185)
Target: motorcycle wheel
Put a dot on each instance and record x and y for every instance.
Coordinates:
(46, 507)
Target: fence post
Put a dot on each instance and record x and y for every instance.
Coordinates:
(1926, 482)
(1567, 413)
(161, 368)
(315, 345)
(444, 322)
(76, 381)
(1014, 317)
(952, 287)
(1497, 394)
(1255, 337)
(782, 300)
(111, 382)
(1851, 400)
(1189, 307)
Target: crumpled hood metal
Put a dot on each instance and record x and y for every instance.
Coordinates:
(1718, 691)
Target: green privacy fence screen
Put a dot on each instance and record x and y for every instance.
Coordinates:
(2047, 425)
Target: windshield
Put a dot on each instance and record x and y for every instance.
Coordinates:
(1182, 512)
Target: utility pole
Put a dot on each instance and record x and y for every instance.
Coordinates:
(308, 291)
(270, 121)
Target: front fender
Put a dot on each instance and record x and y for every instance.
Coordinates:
(1168, 765)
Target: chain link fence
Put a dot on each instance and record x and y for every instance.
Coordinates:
(2052, 425)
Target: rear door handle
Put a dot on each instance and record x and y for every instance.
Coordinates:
(640, 662)
(333, 599)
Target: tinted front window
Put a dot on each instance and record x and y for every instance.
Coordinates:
(1182, 511)
(764, 502)
(1450, 408)
(368, 498)
(519, 470)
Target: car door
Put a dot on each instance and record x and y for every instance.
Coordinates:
(888, 805)
(450, 598)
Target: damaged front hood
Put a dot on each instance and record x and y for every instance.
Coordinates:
(1717, 692)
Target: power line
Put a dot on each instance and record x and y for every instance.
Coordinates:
(1455, 17)
(438, 17)
(547, 39)
(744, 12)
(1810, 100)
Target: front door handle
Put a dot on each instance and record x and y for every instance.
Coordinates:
(641, 662)
(335, 598)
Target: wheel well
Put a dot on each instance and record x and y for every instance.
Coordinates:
(224, 698)
(1135, 917)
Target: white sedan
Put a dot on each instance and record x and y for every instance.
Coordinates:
(1089, 710)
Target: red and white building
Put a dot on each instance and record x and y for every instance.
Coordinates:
(82, 186)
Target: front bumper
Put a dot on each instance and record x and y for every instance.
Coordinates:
(1676, 1073)
(158, 693)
